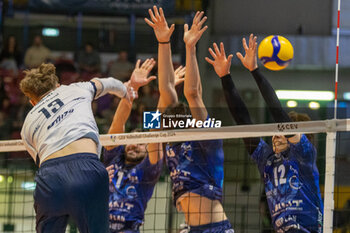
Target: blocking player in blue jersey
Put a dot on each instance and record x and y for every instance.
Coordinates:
(288, 167)
(61, 135)
(134, 169)
(196, 167)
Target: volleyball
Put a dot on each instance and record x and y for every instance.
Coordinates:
(275, 52)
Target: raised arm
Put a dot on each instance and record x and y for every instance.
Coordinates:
(179, 78)
(237, 107)
(274, 105)
(192, 88)
(250, 62)
(121, 116)
(166, 73)
(112, 86)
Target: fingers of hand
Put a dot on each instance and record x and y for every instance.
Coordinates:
(172, 28)
(186, 27)
(209, 61)
(183, 70)
(229, 58)
(244, 42)
(203, 30)
(152, 78)
(161, 13)
(255, 44)
(151, 64)
(240, 56)
(155, 9)
(216, 48)
(149, 22)
(195, 18)
(150, 12)
(178, 68)
(148, 64)
(212, 53)
(202, 21)
(251, 41)
(138, 64)
(222, 49)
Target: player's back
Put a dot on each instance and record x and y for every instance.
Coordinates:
(61, 117)
(197, 167)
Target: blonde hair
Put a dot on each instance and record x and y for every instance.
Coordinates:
(39, 81)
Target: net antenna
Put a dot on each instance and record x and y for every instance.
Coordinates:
(331, 141)
(337, 63)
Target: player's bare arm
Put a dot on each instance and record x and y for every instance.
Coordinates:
(165, 65)
(192, 88)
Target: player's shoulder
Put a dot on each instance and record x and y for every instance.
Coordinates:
(262, 152)
(304, 142)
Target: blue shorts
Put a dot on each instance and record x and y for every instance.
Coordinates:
(218, 227)
(124, 227)
(301, 230)
(76, 187)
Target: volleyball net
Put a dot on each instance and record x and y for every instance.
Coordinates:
(244, 201)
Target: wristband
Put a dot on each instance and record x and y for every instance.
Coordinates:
(168, 42)
(112, 86)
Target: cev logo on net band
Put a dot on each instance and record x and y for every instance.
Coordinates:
(289, 126)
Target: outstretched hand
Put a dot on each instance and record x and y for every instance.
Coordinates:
(221, 63)
(249, 60)
(180, 75)
(160, 25)
(192, 36)
(139, 76)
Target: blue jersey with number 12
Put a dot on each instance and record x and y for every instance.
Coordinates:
(292, 186)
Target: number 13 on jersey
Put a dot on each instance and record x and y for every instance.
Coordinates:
(52, 107)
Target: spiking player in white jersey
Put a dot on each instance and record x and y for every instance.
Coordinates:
(61, 135)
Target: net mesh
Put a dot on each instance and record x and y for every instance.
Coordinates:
(244, 201)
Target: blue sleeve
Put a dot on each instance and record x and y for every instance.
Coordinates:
(112, 156)
(151, 171)
(211, 144)
(304, 149)
(261, 154)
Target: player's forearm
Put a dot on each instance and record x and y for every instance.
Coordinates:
(234, 101)
(120, 118)
(270, 97)
(192, 89)
(238, 110)
(166, 75)
(155, 152)
(192, 76)
(109, 85)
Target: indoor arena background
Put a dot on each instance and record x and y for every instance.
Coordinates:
(119, 36)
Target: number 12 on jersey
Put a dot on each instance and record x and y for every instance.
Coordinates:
(279, 175)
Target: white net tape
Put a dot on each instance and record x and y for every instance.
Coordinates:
(327, 126)
(242, 131)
